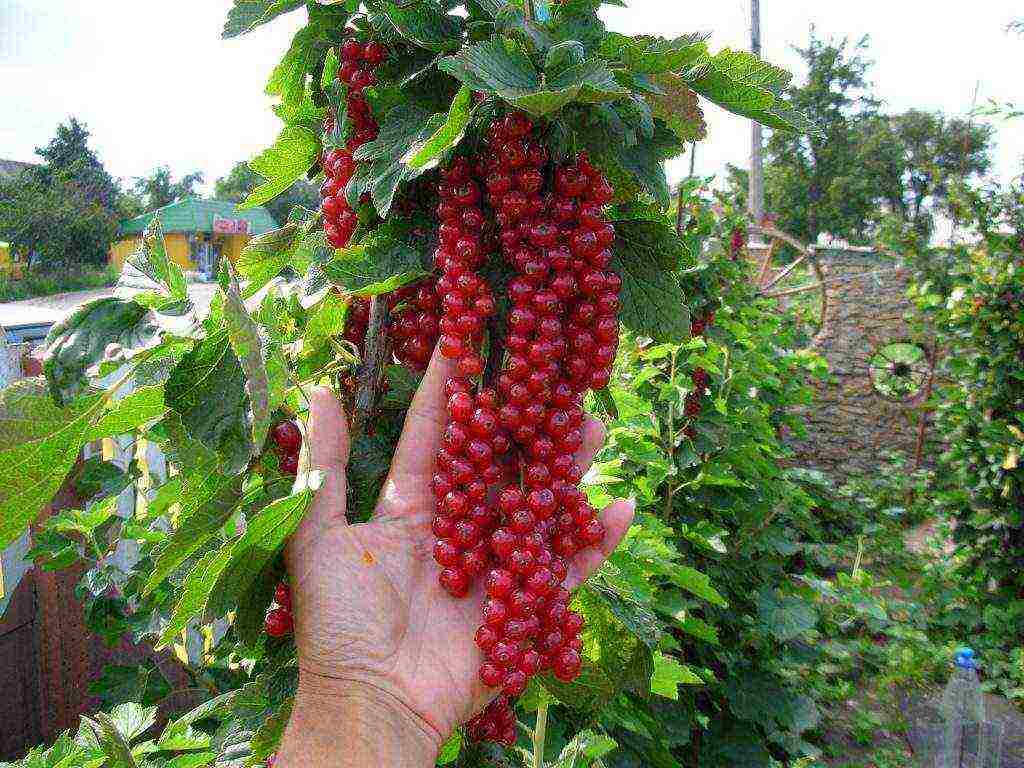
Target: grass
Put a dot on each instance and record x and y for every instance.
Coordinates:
(42, 283)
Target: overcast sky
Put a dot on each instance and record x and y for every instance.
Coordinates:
(155, 84)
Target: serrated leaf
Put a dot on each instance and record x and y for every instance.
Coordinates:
(380, 169)
(207, 501)
(245, 15)
(289, 78)
(264, 256)
(132, 720)
(500, 67)
(425, 155)
(143, 683)
(108, 328)
(647, 255)
(296, 150)
(449, 752)
(39, 443)
(495, 66)
(266, 371)
(130, 413)
(678, 107)
(669, 674)
(263, 540)
(697, 583)
(785, 617)
(383, 261)
(424, 26)
(746, 85)
(207, 390)
(652, 55)
(150, 268)
(194, 592)
(267, 737)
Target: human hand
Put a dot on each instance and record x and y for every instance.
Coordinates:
(378, 638)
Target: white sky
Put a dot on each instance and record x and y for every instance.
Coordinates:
(155, 84)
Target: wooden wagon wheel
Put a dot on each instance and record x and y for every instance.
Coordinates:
(774, 282)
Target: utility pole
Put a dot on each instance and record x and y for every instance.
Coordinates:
(755, 202)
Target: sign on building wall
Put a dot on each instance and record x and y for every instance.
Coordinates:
(223, 226)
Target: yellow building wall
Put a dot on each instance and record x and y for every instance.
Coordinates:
(177, 249)
(7, 264)
(232, 246)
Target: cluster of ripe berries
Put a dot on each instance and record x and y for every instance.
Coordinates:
(561, 341)
(497, 723)
(279, 621)
(695, 398)
(358, 63)
(413, 325)
(287, 441)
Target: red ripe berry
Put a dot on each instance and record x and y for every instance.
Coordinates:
(283, 596)
(455, 581)
(279, 623)
(287, 437)
(500, 583)
(373, 53)
(290, 464)
(491, 674)
(568, 665)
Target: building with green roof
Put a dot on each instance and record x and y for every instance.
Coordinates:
(199, 233)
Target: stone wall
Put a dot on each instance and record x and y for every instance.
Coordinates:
(851, 426)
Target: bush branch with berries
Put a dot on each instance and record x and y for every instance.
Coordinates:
(493, 184)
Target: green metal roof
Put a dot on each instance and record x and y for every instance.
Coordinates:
(195, 215)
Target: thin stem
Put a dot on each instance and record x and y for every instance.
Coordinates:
(371, 372)
(670, 448)
(539, 731)
(679, 210)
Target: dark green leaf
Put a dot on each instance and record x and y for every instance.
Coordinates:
(207, 390)
(424, 25)
(386, 259)
(425, 155)
(39, 443)
(647, 256)
(266, 371)
(247, 14)
(105, 329)
(248, 555)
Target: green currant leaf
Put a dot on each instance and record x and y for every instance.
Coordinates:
(669, 674)
(423, 25)
(423, 156)
(647, 256)
(207, 389)
(104, 330)
(246, 15)
(240, 562)
(386, 259)
(266, 371)
(296, 150)
(39, 443)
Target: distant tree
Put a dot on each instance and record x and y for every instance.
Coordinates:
(237, 185)
(159, 188)
(811, 184)
(868, 164)
(64, 210)
(914, 157)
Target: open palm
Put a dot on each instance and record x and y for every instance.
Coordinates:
(368, 606)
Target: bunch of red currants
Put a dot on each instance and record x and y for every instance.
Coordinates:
(561, 341)
(358, 63)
